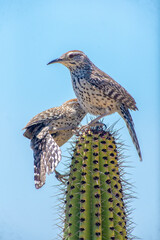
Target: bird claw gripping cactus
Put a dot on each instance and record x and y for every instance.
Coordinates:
(61, 177)
(95, 208)
(91, 124)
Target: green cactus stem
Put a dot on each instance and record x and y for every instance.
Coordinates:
(94, 207)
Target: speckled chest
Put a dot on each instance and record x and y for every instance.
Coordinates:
(92, 99)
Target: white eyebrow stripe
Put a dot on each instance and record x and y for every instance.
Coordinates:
(71, 53)
(70, 103)
(74, 53)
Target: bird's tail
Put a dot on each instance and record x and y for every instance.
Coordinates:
(125, 114)
(47, 155)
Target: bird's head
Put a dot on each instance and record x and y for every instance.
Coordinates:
(74, 107)
(73, 104)
(71, 59)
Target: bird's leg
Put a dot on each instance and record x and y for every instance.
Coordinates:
(95, 121)
(61, 177)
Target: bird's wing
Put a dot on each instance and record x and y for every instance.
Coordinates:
(47, 155)
(112, 89)
(45, 116)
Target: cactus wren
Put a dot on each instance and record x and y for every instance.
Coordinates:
(97, 92)
(48, 131)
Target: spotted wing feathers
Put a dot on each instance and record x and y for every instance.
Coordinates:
(47, 155)
(112, 89)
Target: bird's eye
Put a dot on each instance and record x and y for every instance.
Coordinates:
(71, 55)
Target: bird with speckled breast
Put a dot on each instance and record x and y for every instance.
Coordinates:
(97, 92)
(48, 131)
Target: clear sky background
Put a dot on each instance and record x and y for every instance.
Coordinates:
(121, 38)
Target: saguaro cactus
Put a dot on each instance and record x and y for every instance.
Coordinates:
(94, 205)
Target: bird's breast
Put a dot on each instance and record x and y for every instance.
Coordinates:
(91, 99)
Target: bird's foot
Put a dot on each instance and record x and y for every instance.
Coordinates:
(61, 177)
(95, 124)
(87, 127)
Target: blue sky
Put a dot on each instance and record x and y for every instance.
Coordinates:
(121, 38)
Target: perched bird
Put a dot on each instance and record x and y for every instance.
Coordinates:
(97, 92)
(48, 131)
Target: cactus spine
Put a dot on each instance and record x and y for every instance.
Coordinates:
(94, 197)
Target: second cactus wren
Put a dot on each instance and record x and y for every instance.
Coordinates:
(48, 131)
(97, 92)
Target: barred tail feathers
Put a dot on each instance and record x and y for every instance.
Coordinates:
(125, 114)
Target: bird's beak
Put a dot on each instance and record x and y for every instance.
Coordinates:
(57, 60)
